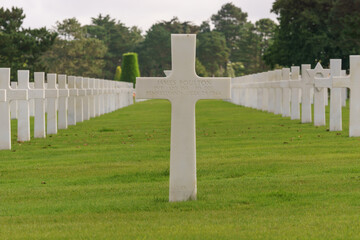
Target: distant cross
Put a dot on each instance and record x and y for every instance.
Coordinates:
(335, 96)
(352, 82)
(183, 88)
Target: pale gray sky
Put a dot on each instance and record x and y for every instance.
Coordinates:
(142, 13)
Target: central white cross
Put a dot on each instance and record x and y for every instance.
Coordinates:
(183, 88)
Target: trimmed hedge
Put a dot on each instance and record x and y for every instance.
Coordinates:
(130, 67)
(117, 73)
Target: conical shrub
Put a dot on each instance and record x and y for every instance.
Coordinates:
(130, 67)
(117, 73)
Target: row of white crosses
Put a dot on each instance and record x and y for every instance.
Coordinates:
(282, 91)
(66, 100)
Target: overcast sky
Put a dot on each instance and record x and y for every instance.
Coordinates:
(141, 13)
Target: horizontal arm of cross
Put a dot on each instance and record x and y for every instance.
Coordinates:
(341, 82)
(154, 88)
(51, 93)
(214, 88)
(36, 94)
(17, 94)
(323, 82)
(276, 84)
(284, 84)
(63, 92)
(296, 84)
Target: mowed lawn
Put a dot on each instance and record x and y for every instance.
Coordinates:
(260, 176)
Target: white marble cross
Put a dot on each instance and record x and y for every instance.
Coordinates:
(285, 92)
(278, 92)
(13, 103)
(101, 92)
(52, 94)
(335, 96)
(271, 92)
(62, 102)
(352, 82)
(305, 84)
(73, 94)
(306, 94)
(86, 99)
(92, 93)
(23, 108)
(183, 88)
(265, 92)
(80, 99)
(295, 93)
(7, 94)
(39, 104)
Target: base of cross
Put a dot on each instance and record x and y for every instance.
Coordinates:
(180, 196)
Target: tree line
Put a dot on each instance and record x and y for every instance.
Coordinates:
(228, 44)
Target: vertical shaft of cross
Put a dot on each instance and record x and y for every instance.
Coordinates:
(183, 151)
(306, 96)
(23, 108)
(63, 102)
(278, 93)
(52, 96)
(5, 125)
(354, 126)
(79, 100)
(335, 98)
(183, 145)
(73, 93)
(39, 122)
(295, 94)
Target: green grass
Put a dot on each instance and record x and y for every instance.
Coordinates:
(260, 176)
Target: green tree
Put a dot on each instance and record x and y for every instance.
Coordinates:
(303, 33)
(117, 76)
(130, 68)
(21, 48)
(264, 29)
(245, 40)
(73, 54)
(200, 69)
(213, 52)
(231, 21)
(118, 39)
(155, 51)
(344, 31)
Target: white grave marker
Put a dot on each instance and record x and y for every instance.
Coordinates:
(38, 94)
(306, 94)
(80, 99)
(352, 82)
(51, 94)
(335, 96)
(92, 93)
(63, 102)
(23, 108)
(285, 92)
(183, 88)
(278, 93)
(295, 93)
(86, 99)
(7, 94)
(73, 94)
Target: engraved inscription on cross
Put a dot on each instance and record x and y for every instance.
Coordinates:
(183, 88)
